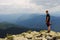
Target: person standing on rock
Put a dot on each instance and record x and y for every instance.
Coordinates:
(48, 20)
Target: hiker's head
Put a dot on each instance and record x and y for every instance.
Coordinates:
(46, 11)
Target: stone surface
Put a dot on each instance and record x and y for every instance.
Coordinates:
(33, 35)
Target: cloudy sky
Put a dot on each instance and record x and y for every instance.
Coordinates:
(29, 6)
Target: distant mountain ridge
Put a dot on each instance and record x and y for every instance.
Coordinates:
(36, 21)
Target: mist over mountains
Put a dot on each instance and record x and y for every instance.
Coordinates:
(38, 22)
(18, 23)
(30, 20)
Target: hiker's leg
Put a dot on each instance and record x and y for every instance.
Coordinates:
(49, 28)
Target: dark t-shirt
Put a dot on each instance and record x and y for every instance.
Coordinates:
(48, 17)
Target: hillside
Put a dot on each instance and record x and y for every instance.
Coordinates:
(9, 28)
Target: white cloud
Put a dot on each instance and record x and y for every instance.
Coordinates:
(55, 9)
(19, 6)
(28, 6)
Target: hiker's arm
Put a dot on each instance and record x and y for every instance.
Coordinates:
(47, 19)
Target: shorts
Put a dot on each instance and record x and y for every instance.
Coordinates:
(48, 24)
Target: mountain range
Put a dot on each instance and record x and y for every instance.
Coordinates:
(38, 21)
(18, 23)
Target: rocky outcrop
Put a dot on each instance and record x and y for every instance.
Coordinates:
(33, 35)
